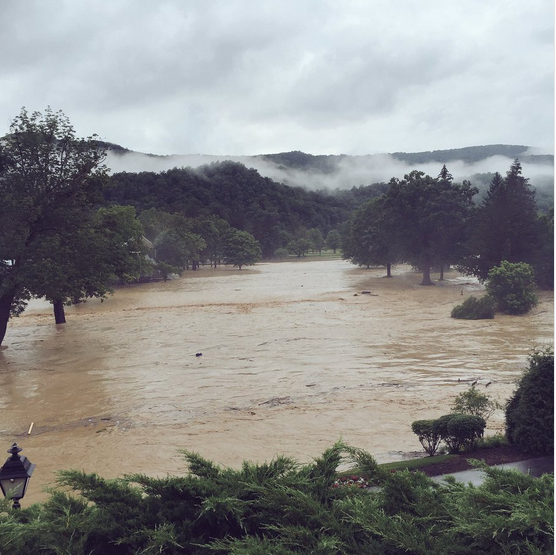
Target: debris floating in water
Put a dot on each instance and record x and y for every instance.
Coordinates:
(198, 354)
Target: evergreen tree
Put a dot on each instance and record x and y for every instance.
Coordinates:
(544, 263)
(445, 175)
(506, 226)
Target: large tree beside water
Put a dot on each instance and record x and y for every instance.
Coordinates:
(53, 240)
(368, 239)
(431, 222)
(428, 218)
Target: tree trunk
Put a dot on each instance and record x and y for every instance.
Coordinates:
(59, 314)
(5, 308)
(388, 270)
(441, 272)
(427, 275)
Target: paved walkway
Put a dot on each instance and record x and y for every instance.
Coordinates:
(536, 467)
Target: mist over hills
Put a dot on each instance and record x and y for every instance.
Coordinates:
(317, 172)
(274, 196)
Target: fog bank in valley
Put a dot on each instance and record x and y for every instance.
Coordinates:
(347, 172)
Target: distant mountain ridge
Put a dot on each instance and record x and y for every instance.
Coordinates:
(343, 171)
(326, 162)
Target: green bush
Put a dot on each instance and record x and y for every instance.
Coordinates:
(475, 403)
(440, 425)
(530, 411)
(428, 438)
(497, 440)
(512, 286)
(475, 309)
(281, 253)
(464, 430)
(459, 431)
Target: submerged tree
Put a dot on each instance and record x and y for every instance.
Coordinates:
(69, 267)
(48, 178)
(429, 218)
(241, 249)
(512, 286)
(370, 240)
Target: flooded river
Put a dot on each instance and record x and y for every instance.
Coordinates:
(294, 357)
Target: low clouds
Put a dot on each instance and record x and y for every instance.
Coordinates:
(350, 171)
(236, 77)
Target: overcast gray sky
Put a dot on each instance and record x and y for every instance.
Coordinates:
(259, 76)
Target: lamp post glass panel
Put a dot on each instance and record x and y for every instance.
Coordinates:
(15, 474)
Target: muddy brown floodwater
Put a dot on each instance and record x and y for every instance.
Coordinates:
(294, 357)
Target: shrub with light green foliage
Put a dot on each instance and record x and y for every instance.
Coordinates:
(475, 309)
(512, 286)
(427, 435)
(530, 410)
(475, 403)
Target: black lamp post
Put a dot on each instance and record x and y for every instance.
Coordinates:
(15, 474)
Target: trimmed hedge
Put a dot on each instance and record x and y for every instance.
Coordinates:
(458, 431)
(427, 435)
(463, 431)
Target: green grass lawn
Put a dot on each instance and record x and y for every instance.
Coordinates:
(410, 464)
(417, 463)
(324, 255)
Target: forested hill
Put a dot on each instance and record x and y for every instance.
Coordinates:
(472, 154)
(317, 172)
(247, 201)
(327, 163)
